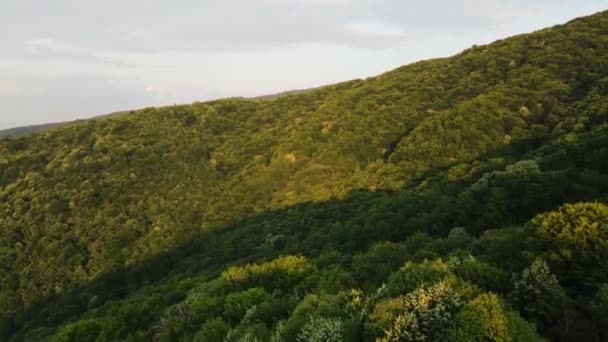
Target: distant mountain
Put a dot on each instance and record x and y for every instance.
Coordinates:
(20, 131)
(453, 199)
(23, 130)
(284, 93)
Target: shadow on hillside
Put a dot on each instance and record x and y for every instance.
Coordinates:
(347, 226)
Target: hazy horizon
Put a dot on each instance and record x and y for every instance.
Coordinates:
(68, 60)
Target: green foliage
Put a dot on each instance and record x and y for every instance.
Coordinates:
(485, 318)
(521, 330)
(519, 169)
(578, 234)
(313, 305)
(239, 303)
(497, 246)
(212, 330)
(84, 330)
(378, 262)
(411, 275)
(288, 264)
(419, 315)
(484, 275)
(458, 239)
(599, 310)
(482, 319)
(322, 329)
(538, 292)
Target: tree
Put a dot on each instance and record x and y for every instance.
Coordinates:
(485, 318)
(538, 293)
(482, 319)
(378, 262)
(322, 329)
(419, 315)
(212, 330)
(599, 310)
(85, 330)
(578, 235)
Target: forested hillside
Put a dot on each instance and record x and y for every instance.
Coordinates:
(21, 131)
(455, 199)
(14, 132)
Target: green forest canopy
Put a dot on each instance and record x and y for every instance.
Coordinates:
(455, 199)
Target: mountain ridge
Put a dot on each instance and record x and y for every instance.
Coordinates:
(22, 130)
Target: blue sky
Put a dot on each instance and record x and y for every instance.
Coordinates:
(68, 59)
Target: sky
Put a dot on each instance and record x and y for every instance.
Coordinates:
(73, 59)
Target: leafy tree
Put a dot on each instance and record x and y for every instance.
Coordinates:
(486, 319)
(378, 262)
(411, 275)
(482, 274)
(418, 315)
(212, 330)
(239, 303)
(322, 329)
(578, 234)
(599, 309)
(538, 292)
(84, 330)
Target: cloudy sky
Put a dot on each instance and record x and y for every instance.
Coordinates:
(68, 59)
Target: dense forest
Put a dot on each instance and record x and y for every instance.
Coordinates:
(454, 199)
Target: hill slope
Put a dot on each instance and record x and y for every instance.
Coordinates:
(23, 130)
(431, 178)
(17, 131)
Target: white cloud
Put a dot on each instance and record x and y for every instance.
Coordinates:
(51, 48)
(375, 28)
(154, 89)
